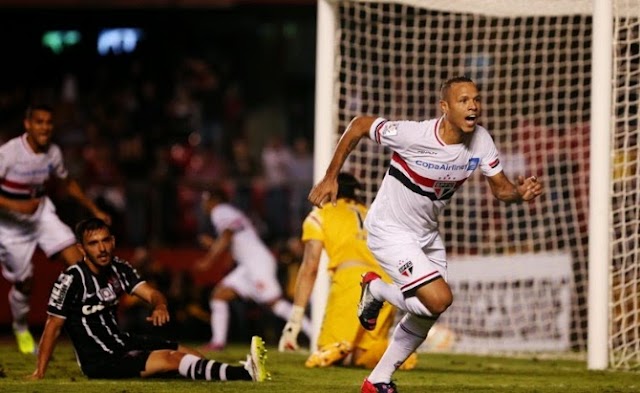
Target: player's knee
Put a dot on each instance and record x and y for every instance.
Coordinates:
(439, 304)
(429, 306)
(436, 297)
(162, 361)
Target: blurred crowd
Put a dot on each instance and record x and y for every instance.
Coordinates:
(143, 151)
(143, 139)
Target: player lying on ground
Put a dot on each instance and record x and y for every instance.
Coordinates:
(84, 300)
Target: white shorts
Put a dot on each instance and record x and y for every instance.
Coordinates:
(259, 286)
(19, 238)
(409, 264)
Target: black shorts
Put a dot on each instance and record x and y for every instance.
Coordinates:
(130, 362)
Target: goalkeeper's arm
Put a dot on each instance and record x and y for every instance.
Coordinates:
(304, 284)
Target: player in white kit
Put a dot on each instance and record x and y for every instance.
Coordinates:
(431, 160)
(255, 274)
(28, 217)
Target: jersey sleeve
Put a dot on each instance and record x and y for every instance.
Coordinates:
(490, 164)
(397, 135)
(312, 226)
(129, 275)
(65, 292)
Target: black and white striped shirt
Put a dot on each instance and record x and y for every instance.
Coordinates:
(89, 304)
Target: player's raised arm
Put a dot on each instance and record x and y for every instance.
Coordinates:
(75, 191)
(48, 342)
(327, 189)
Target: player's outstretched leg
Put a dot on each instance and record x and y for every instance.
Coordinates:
(368, 307)
(368, 387)
(256, 360)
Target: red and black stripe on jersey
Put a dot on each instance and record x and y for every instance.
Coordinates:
(14, 190)
(416, 182)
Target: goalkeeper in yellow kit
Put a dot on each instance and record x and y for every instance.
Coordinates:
(338, 229)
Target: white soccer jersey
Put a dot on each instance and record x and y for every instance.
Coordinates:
(423, 175)
(255, 276)
(246, 246)
(24, 172)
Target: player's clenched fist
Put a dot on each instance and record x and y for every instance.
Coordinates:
(325, 191)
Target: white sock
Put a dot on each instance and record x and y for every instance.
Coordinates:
(282, 309)
(388, 292)
(407, 337)
(219, 321)
(194, 367)
(392, 294)
(19, 305)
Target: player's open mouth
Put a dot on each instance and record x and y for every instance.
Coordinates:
(471, 120)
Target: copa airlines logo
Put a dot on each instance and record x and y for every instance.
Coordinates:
(442, 167)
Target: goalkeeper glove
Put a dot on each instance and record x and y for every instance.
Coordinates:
(289, 338)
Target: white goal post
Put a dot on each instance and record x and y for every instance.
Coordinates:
(560, 81)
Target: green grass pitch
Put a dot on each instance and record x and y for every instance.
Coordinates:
(435, 373)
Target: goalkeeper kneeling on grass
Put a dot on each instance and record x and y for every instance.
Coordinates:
(338, 229)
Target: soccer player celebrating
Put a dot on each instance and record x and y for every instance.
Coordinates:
(28, 217)
(85, 300)
(339, 230)
(431, 160)
(254, 277)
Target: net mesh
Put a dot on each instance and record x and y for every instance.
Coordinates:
(531, 61)
(533, 73)
(625, 278)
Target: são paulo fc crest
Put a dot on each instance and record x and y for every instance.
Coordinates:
(405, 268)
(443, 188)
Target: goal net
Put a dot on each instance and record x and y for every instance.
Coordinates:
(532, 62)
(625, 243)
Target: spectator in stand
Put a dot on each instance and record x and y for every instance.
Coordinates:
(243, 174)
(277, 161)
(300, 180)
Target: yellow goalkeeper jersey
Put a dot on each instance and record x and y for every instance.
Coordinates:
(341, 229)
